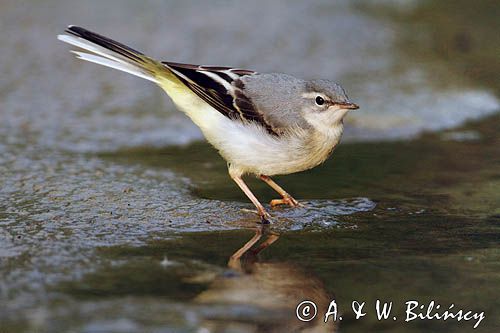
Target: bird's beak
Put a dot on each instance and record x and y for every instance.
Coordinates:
(348, 106)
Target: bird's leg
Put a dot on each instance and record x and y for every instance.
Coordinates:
(264, 216)
(287, 199)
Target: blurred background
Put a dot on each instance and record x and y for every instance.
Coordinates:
(116, 216)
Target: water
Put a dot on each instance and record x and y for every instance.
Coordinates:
(115, 217)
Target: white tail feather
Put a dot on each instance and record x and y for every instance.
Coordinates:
(124, 67)
(104, 57)
(89, 46)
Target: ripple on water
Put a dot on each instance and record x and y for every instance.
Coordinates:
(318, 214)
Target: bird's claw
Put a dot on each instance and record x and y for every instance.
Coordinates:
(284, 201)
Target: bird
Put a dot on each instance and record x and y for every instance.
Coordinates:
(262, 124)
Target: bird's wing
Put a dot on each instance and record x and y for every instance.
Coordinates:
(223, 89)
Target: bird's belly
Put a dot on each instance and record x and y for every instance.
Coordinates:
(248, 148)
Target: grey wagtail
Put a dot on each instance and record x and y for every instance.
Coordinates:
(261, 124)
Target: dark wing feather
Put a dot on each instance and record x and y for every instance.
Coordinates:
(222, 88)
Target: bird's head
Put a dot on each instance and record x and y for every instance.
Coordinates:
(325, 103)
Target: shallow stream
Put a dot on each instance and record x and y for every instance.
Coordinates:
(116, 216)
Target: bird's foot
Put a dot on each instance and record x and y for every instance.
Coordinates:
(265, 218)
(285, 201)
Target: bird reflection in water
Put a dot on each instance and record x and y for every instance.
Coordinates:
(255, 296)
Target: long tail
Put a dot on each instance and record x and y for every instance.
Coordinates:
(107, 52)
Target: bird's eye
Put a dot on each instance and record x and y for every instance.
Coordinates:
(320, 101)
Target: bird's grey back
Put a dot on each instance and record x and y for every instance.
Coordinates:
(278, 97)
